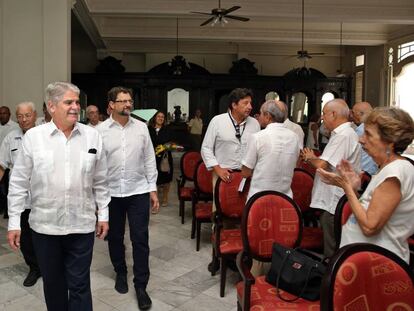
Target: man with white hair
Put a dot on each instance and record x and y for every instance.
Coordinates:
(271, 153)
(26, 117)
(92, 113)
(343, 144)
(63, 167)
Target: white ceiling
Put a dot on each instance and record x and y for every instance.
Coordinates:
(149, 26)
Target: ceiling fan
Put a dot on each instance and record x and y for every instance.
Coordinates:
(220, 15)
(304, 54)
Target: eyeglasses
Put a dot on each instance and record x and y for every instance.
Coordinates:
(22, 116)
(125, 101)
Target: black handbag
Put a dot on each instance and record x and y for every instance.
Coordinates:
(296, 272)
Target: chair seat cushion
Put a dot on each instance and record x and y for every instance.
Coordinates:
(203, 210)
(186, 193)
(312, 238)
(230, 241)
(263, 297)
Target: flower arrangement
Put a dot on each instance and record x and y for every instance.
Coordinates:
(167, 147)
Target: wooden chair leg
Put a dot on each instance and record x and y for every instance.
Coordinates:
(223, 272)
(182, 213)
(193, 227)
(198, 235)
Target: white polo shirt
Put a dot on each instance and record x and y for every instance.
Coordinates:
(272, 154)
(221, 146)
(343, 144)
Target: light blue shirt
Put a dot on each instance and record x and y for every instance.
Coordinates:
(367, 163)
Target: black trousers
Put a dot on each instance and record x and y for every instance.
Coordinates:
(65, 262)
(137, 208)
(26, 242)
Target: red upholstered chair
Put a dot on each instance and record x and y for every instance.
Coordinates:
(366, 277)
(202, 200)
(188, 164)
(342, 213)
(302, 184)
(268, 217)
(229, 208)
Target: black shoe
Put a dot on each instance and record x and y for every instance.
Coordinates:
(213, 266)
(144, 301)
(31, 278)
(121, 284)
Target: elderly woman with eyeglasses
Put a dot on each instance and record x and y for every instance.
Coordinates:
(384, 214)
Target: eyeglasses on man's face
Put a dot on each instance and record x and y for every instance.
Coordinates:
(125, 101)
(26, 115)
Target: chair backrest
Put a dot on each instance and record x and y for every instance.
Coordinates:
(270, 216)
(342, 213)
(367, 277)
(188, 164)
(302, 184)
(203, 180)
(365, 179)
(228, 200)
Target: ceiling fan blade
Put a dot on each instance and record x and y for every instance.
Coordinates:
(239, 18)
(233, 8)
(203, 13)
(208, 21)
(316, 53)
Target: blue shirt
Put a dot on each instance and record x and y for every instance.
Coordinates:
(367, 163)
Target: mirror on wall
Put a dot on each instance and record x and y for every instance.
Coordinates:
(299, 108)
(178, 97)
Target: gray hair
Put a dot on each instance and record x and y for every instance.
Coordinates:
(272, 108)
(24, 104)
(54, 91)
(339, 106)
(88, 108)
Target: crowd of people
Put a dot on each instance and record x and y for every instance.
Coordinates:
(70, 181)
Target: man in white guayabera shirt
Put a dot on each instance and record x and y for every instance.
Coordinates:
(62, 165)
(26, 117)
(224, 144)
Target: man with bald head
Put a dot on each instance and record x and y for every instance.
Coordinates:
(359, 113)
(343, 144)
(10, 147)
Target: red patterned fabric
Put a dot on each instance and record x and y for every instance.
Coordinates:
(264, 298)
(369, 281)
(271, 219)
(204, 179)
(189, 163)
(186, 192)
(302, 184)
(230, 241)
(203, 210)
(231, 201)
(312, 238)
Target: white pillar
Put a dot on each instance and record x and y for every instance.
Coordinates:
(34, 48)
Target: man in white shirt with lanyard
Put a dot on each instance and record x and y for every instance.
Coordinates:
(225, 141)
(26, 117)
(63, 167)
(132, 177)
(343, 144)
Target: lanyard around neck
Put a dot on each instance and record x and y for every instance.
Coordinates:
(239, 133)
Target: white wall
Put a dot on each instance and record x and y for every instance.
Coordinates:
(35, 48)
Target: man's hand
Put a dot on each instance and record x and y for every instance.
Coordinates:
(155, 204)
(223, 173)
(102, 228)
(13, 236)
(307, 154)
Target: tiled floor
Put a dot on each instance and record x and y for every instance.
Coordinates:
(179, 277)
